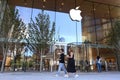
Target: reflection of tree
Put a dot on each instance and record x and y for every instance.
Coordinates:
(40, 33)
(113, 39)
(18, 57)
(11, 31)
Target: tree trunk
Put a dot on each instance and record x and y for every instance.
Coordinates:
(41, 60)
(2, 10)
(4, 59)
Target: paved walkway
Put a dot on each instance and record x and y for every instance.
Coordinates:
(51, 76)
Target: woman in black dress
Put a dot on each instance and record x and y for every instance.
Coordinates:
(71, 62)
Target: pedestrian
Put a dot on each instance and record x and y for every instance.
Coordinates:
(106, 65)
(98, 63)
(62, 63)
(71, 62)
(87, 65)
(110, 64)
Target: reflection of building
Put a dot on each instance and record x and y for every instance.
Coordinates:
(98, 17)
(61, 39)
(96, 27)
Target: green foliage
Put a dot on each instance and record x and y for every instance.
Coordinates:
(40, 32)
(12, 24)
(11, 30)
(114, 34)
(114, 39)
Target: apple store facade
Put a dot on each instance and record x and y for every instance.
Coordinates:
(86, 34)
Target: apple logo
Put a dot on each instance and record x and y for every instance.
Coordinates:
(75, 14)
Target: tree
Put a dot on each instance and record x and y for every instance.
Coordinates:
(40, 33)
(113, 39)
(11, 32)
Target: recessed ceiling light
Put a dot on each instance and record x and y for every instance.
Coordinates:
(44, 0)
(43, 6)
(62, 3)
(25, 3)
(94, 9)
(60, 9)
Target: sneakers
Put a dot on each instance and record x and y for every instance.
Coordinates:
(66, 75)
(76, 75)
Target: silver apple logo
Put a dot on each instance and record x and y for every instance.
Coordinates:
(75, 14)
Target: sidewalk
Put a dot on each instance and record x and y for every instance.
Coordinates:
(51, 76)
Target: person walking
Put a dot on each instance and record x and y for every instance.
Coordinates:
(62, 63)
(71, 62)
(98, 64)
(87, 65)
(106, 65)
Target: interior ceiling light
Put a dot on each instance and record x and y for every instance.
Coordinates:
(62, 3)
(60, 9)
(25, 2)
(44, 0)
(43, 6)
